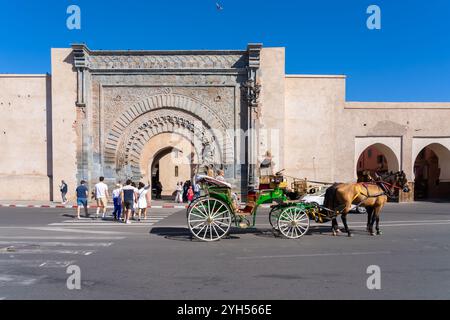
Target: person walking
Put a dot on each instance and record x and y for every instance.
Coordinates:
(179, 191)
(190, 194)
(159, 189)
(101, 195)
(117, 202)
(63, 188)
(133, 211)
(128, 195)
(82, 193)
(142, 200)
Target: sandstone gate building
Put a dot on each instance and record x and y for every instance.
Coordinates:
(132, 114)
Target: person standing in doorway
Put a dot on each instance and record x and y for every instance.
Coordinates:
(82, 198)
(142, 200)
(179, 193)
(117, 202)
(63, 188)
(190, 194)
(196, 190)
(128, 195)
(101, 194)
(159, 189)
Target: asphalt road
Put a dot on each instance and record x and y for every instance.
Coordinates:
(157, 259)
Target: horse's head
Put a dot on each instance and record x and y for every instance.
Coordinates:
(401, 181)
(396, 180)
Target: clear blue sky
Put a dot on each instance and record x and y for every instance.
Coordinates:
(407, 60)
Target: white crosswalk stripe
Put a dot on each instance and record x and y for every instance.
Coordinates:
(29, 260)
(17, 280)
(38, 263)
(108, 222)
(58, 244)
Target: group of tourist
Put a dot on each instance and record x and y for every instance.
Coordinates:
(187, 191)
(129, 200)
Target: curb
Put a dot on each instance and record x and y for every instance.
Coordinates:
(59, 206)
(165, 206)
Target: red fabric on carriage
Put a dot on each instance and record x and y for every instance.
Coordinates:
(263, 186)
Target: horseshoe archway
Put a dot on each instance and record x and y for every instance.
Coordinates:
(171, 113)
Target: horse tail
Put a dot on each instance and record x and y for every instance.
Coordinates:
(329, 201)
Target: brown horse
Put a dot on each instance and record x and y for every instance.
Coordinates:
(371, 195)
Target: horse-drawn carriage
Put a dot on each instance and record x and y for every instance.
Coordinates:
(211, 216)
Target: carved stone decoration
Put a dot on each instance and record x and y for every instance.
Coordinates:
(122, 60)
(81, 64)
(252, 91)
(126, 158)
(251, 86)
(209, 152)
(128, 97)
(200, 100)
(173, 103)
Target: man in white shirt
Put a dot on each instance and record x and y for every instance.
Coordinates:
(101, 195)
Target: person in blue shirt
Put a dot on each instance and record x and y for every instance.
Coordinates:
(82, 198)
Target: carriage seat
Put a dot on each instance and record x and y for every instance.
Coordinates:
(251, 203)
(212, 181)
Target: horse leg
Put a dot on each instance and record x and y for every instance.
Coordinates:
(334, 227)
(369, 217)
(370, 220)
(377, 218)
(371, 224)
(344, 221)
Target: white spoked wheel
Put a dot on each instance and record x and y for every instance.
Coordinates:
(209, 219)
(273, 217)
(293, 222)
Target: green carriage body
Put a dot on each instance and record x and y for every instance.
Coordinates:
(219, 209)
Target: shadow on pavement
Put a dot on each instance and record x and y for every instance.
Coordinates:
(183, 234)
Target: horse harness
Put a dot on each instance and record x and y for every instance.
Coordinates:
(381, 184)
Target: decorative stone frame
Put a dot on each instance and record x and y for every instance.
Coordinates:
(113, 145)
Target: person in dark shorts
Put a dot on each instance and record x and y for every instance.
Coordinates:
(129, 196)
(82, 198)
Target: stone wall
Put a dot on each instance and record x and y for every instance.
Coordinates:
(25, 172)
(311, 106)
(98, 112)
(329, 134)
(271, 115)
(65, 120)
